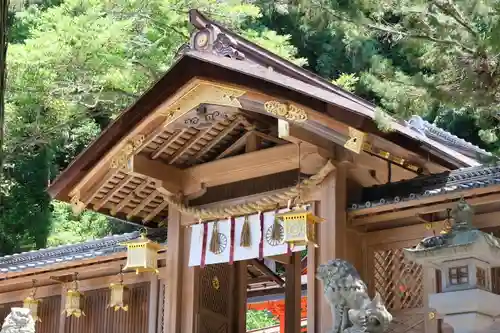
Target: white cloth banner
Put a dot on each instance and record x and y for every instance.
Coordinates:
(270, 247)
(251, 252)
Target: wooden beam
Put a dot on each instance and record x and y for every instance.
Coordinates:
(169, 176)
(296, 134)
(232, 169)
(418, 231)
(252, 165)
(19, 293)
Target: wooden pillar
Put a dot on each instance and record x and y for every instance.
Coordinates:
(62, 318)
(429, 284)
(173, 272)
(332, 236)
(153, 304)
(190, 296)
(181, 280)
(239, 298)
(293, 294)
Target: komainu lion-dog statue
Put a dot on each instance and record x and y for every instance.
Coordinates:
(19, 320)
(352, 309)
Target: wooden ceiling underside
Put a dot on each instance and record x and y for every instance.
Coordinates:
(209, 135)
(205, 134)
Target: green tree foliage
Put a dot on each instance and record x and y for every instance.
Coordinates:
(260, 319)
(72, 66)
(437, 59)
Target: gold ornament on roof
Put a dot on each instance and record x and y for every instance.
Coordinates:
(286, 111)
(31, 303)
(74, 301)
(122, 159)
(142, 255)
(356, 140)
(119, 296)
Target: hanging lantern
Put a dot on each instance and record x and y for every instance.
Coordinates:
(32, 303)
(74, 304)
(142, 255)
(299, 225)
(119, 296)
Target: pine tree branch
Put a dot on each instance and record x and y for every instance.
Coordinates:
(454, 13)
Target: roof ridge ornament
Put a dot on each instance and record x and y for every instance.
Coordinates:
(212, 40)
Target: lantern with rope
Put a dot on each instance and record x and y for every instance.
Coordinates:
(31, 303)
(299, 223)
(74, 300)
(142, 255)
(119, 296)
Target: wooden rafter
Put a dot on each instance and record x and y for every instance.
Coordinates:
(164, 146)
(92, 192)
(143, 203)
(131, 196)
(151, 136)
(112, 192)
(181, 151)
(155, 211)
(238, 144)
(235, 123)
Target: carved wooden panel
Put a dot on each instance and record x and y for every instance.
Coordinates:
(215, 286)
(399, 282)
(101, 319)
(50, 314)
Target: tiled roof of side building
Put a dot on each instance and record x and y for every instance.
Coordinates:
(444, 137)
(71, 252)
(429, 185)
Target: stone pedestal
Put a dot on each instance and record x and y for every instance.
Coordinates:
(467, 311)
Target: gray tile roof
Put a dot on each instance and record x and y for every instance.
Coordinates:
(65, 253)
(435, 133)
(428, 185)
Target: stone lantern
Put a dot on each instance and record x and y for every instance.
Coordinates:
(464, 256)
